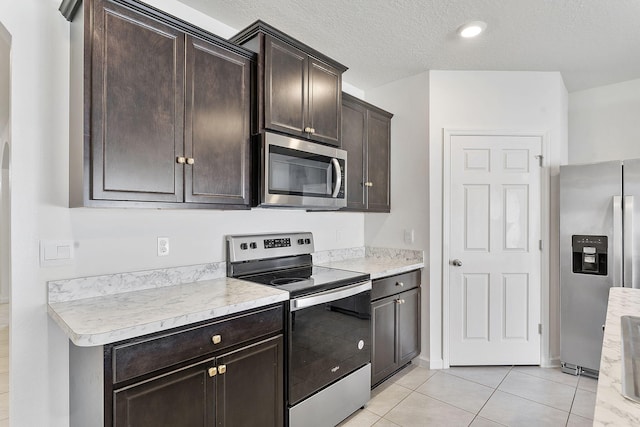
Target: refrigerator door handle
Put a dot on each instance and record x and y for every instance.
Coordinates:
(627, 226)
(617, 242)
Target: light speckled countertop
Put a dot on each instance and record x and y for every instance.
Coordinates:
(381, 262)
(110, 318)
(100, 310)
(612, 408)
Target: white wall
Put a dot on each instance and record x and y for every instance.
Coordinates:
(5, 248)
(603, 123)
(107, 240)
(408, 100)
(487, 100)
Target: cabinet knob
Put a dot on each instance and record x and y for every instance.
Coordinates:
(402, 301)
(222, 369)
(216, 339)
(181, 160)
(313, 130)
(308, 130)
(399, 284)
(190, 160)
(368, 184)
(213, 372)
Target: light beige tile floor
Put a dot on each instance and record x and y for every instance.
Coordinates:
(4, 365)
(479, 397)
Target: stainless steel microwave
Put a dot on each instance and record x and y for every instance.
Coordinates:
(301, 174)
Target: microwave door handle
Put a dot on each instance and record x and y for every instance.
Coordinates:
(338, 170)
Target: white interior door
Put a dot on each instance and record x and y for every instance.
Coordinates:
(494, 266)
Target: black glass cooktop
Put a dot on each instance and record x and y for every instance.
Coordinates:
(307, 280)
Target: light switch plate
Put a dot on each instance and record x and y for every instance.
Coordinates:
(56, 252)
(409, 236)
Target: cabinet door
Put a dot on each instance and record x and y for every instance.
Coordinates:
(137, 104)
(325, 102)
(384, 358)
(217, 125)
(354, 117)
(408, 326)
(285, 88)
(181, 398)
(251, 390)
(378, 164)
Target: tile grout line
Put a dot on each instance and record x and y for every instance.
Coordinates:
(487, 401)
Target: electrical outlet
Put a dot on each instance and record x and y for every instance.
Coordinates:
(409, 236)
(163, 246)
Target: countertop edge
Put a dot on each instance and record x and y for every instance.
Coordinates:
(104, 338)
(399, 270)
(612, 408)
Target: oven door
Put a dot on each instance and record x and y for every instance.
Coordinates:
(298, 173)
(329, 338)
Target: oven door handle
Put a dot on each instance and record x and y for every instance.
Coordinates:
(330, 295)
(336, 167)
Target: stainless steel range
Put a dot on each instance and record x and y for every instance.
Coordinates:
(328, 325)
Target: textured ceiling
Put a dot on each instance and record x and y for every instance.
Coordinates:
(591, 42)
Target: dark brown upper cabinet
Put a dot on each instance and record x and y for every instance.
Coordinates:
(299, 90)
(366, 136)
(167, 112)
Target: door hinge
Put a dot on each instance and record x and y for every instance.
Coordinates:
(540, 328)
(540, 245)
(540, 158)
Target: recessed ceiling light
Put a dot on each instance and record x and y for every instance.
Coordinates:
(472, 29)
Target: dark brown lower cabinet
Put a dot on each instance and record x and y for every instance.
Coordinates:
(185, 397)
(395, 324)
(212, 393)
(250, 392)
(227, 372)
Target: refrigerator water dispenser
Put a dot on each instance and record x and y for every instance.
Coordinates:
(589, 254)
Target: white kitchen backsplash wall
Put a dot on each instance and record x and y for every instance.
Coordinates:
(603, 123)
(127, 239)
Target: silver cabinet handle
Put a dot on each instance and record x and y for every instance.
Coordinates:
(456, 263)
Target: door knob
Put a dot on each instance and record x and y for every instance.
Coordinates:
(456, 263)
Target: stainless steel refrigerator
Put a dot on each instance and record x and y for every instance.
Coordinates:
(599, 248)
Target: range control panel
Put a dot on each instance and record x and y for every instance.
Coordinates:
(260, 246)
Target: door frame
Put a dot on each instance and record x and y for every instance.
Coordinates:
(545, 218)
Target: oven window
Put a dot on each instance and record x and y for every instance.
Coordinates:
(327, 342)
(300, 173)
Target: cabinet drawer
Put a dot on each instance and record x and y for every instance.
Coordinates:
(141, 357)
(395, 284)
